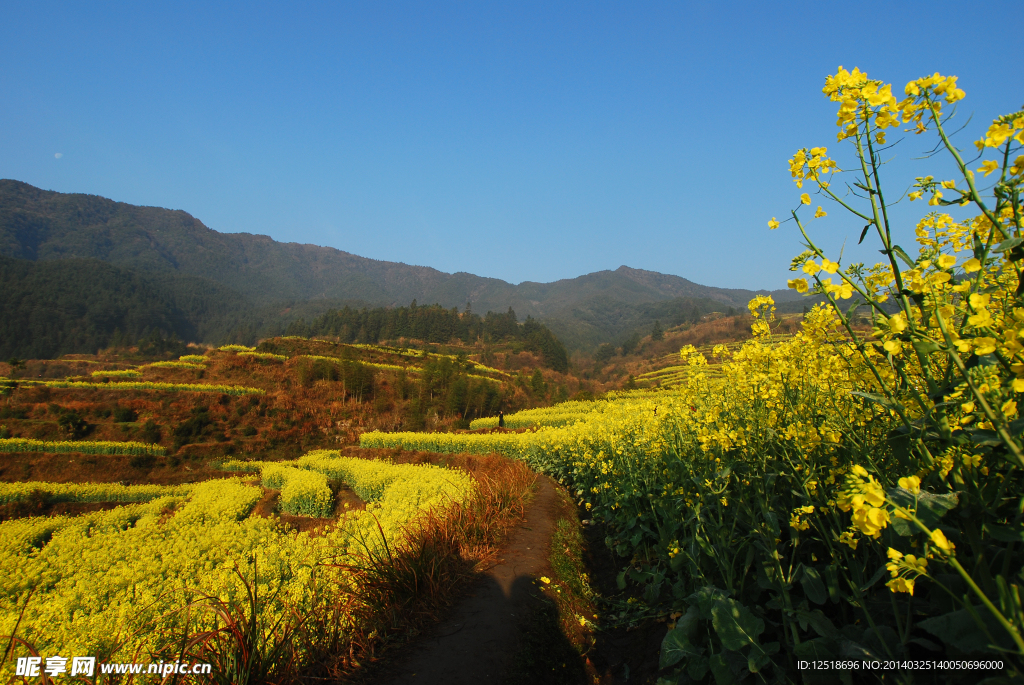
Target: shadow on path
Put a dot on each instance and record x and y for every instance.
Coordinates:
(477, 642)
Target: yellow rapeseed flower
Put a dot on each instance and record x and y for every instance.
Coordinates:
(798, 284)
(805, 199)
(988, 167)
(984, 345)
(939, 540)
(897, 323)
(912, 483)
(972, 265)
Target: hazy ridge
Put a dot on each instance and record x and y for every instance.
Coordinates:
(240, 285)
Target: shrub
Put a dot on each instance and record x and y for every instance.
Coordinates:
(125, 415)
(142, 461)
(72, 425)
(194, 427)
(151, 432)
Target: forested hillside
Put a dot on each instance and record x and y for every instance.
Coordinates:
(250, 285)
(435, 324)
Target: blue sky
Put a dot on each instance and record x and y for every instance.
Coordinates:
(523, 141)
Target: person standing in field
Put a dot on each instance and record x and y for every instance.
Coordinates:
(501, 419)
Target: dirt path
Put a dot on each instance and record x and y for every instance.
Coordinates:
(478, 639)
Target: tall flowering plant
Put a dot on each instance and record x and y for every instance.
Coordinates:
(944, 358)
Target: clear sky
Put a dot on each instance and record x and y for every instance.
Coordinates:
(518, 140)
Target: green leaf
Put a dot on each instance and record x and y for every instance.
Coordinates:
(927, 644)
(1008, 244)
(874, 579)
(817, 648)
(899, 252)
(738, 629)
(1017, 426)
(855, 650)
(819, 621)
(721, 670)
(985, 438)
(864, 233)
(689, 622)
(676, 647)
(767, 578)
(961, 630)
(882, 640)
(704, 599)
(925, 346)
(698, 668)
(1004, 533)
(759, 659)
(871, 397)
(832, 579)
(813, 586)
(930, 508)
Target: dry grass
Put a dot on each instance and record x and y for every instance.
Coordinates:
(394, 592)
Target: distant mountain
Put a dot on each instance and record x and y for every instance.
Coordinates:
(238, 281)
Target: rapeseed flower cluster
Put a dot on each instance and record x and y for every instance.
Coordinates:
(114, 583)
(11, 445)
(866, 498)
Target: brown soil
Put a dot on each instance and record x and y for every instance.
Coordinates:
(172, 470)
(91, 468)
(477, 640)
(13, 510)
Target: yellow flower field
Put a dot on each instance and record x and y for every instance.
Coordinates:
(118, 581)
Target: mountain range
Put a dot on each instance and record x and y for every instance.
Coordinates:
(238, 286)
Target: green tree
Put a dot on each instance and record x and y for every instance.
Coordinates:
(604, 353)
(656, 332)
(537, 382)
(630, 343)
